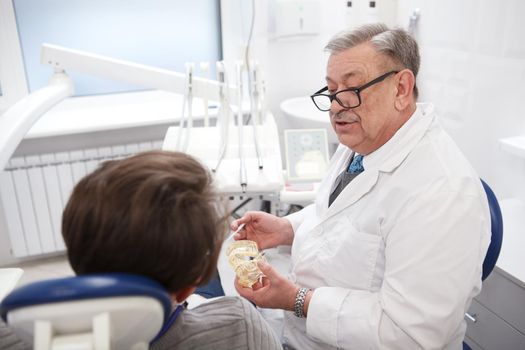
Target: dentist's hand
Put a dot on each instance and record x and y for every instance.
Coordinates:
(275, 291)
(267, 230)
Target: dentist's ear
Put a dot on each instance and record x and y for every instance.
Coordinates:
(405, 89)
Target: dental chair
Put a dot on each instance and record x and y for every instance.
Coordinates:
(100, 311)
(496, 238)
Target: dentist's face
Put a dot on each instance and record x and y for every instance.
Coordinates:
(367, 127)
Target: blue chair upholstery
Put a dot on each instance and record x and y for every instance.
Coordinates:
(496, 227)
(496, 238)
(85, 287)
(62, 302)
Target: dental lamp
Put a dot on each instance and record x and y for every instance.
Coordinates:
(18, 119)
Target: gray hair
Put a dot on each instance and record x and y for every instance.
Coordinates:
(397, 44)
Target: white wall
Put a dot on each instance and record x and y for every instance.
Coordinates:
(473, 69)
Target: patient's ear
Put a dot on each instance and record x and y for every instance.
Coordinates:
(183, 294)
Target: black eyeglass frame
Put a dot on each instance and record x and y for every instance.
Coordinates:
(356, 90)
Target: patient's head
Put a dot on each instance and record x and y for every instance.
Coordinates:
(154, 214)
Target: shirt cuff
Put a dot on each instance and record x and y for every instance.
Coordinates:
(323, 311)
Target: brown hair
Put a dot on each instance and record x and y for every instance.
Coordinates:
(155, 214)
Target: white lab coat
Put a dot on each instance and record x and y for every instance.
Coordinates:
(396, 259)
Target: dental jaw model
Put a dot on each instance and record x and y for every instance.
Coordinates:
(243, 257)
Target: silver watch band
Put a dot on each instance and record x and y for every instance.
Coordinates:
(299, 302)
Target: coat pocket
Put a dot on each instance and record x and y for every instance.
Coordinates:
(348, 257)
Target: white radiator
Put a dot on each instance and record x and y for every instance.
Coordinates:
(35, 189)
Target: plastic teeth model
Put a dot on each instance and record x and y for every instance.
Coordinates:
(243, 257)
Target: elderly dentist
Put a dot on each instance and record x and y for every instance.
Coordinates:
(388, 257)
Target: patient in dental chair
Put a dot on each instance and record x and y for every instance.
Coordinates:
(156, 214)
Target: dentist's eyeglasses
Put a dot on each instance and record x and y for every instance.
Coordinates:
(347, 98)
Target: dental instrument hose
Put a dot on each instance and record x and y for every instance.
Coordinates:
(240, 123)
(223, 114)
(181, 124)
(190, 108)
(255, 119)
(186, 121)
(252, 90)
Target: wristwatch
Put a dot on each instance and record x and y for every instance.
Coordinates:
(299, 302)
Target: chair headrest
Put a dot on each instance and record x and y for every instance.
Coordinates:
(85, 287)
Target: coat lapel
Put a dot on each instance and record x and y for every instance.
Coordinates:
(385, 159)
(356, 189)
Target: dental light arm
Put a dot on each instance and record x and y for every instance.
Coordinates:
(129, 72)
(18, 119)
